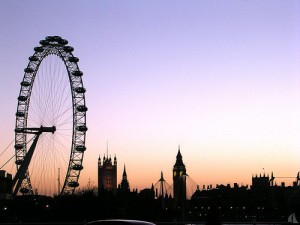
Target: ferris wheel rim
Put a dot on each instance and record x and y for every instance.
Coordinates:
(54, 45)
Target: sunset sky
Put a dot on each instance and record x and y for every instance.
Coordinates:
(219, 78)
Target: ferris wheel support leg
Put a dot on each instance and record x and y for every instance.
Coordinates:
(20, 175)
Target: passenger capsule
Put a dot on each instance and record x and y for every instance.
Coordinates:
(24, 190)
(33, 58)
(19, 146)
(22, 98)
(73, 59)
(73, 184)
(19, 161)
(20, 114)
(77, 167)
(57, 38)
(77, 73)
(44, 42)
(63, 42)
(82, 128)
(25, 83)
(39, 49)
(28, 70)
(68, 48)
(49, 38)
(80, 90)
(82, 108)
(80, 148)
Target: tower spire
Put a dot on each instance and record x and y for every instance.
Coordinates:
(124, 172)
(124, 186)
(161, 177)
(107, 148)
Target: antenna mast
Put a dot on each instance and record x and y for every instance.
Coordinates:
(107, 148)
(58, 181)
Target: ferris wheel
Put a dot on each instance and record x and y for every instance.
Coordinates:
(50, 129)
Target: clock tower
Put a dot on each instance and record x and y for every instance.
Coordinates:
(179, 181)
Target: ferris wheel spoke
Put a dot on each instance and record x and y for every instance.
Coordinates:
(63, 94)
(61, 115)
(63, 134)
(65, 122)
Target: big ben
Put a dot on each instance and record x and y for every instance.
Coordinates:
(179, 181)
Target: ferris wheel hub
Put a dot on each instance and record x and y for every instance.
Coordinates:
(47, 129)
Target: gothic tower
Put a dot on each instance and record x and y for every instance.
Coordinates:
(179, 181)
(107, 174)
(124, 186)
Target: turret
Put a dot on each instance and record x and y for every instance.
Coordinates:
(115, 160)
(99, 161)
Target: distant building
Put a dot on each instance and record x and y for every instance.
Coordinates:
(261, 181)
(5, 185)
(179, 181)
(107, 174)
(124, 185)
(148, 193)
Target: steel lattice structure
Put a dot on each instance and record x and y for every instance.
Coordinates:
(31, 107)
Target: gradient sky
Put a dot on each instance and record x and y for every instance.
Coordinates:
(220, 78)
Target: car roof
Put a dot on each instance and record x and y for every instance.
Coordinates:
(119, 222)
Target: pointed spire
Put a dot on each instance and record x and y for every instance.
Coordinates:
(179, 161)
(179, 153)
(124, 173)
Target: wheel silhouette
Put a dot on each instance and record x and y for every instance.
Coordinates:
(50, 126)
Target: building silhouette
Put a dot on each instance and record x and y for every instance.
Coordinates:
(5, 185)
(124, 185)
(262, 181)
(107, 174)
(179, 182)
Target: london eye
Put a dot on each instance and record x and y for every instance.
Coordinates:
(50, 130)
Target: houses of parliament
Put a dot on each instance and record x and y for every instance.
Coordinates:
(107, 177)
(264, 200)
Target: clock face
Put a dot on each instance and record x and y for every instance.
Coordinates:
(174, 173)
(180, 173)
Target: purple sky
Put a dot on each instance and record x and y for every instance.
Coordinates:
(220, 78)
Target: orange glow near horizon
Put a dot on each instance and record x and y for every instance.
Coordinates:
(220, 80)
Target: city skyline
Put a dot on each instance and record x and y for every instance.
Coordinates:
(220, 79)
